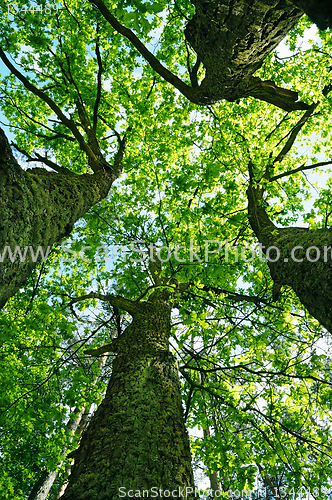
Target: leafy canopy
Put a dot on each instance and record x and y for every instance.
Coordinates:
(255, 373)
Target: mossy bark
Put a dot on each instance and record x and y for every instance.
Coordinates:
(137, 439)
(310, 277)
(38, 208)
(319, 11)
(232, 38)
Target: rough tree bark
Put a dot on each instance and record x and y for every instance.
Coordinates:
(231, 38)
(38, 208)
(137, 439)
(311, 281)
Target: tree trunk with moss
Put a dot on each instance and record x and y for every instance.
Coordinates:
(137, 439)
(232, 39)
(37, 209)
(307, 269)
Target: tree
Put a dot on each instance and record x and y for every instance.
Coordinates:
(76, 425)
(227, 41)
(232, 41)
(310, 281)
(137, 438)
(50, 201)
(186, 186)
(319, 12)
(234, 80)
(239, 63)
(38, 208)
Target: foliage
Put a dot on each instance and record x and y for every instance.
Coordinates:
(256, 373)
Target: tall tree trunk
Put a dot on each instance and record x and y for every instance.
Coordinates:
(37, 209)
(311, 281)
(137, 439)
(46, 480)
(232, 39)
(213, 475)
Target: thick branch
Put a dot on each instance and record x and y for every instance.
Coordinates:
(118, 157)
(269, 92)
(232, 39)
(299, 169)
(151, 59)
(88, 129)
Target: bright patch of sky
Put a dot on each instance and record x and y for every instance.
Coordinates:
(320, 176)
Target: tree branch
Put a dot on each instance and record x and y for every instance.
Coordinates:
(194, 71)
(44, 97)
(237, 297)
(299, 169)
(28, 117)
(150, 58)
(268, 91)
(266, 417)
(42, 159)
(284, 118)
(38, 134)
(294, 133)
(100, 71)
(118, 157)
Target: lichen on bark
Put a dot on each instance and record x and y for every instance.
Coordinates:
(137, 439)
(38, 208)
(310, 277)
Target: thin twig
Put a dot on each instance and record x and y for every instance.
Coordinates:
(99, 86)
